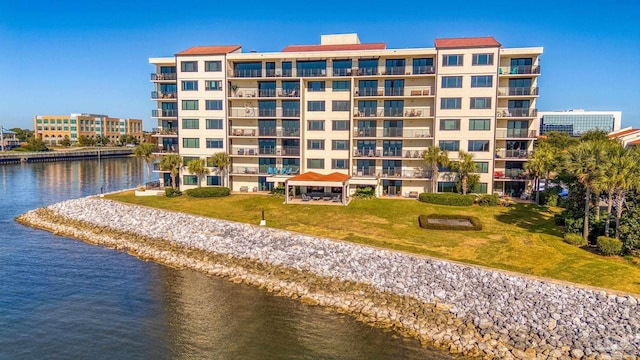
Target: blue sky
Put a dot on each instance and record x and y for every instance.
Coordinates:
(85, 56)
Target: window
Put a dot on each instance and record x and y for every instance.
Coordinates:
(190, 180)
(189, 66)
(339, 144)
(480, 103)
(341, 85)
(315, 105)
(482, 59)
(315, 86)
(189, 104)
(450, 103)
(480, 188)
(340, 105)
(394, 87)
(248, 69)
(190, 143)
(446, 186)
(481, 81)
(452, 82)
(312, 68)
(315, 125)
(478, 145)
(449, 145)
(368, 66)
(394, 66)
(340, 125)
(190, 85)
(449, 124)
(315, 163)
(214, 143)
(315, 144)
(214, 181)
(338, 163)
(342, 67)
(451, 60)
(479, 124)
(213, 104)
(190, 123)
(186, 159)
(423, 66)
(210, 85)
(212, 66)
(214, 124)
(482, 167)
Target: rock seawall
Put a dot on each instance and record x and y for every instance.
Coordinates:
(466, 309)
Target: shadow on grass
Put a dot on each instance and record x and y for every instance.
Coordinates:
(530, 217)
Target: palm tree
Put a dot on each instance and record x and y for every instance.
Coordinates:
(197, 167)
(172, 164)
(536, 167)
(584, 161)
(465, 166)
(221, 161)
(145, 151)
(611, 171)
(435, 157)
(627, 175)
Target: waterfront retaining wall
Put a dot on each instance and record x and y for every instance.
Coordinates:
(466, 309)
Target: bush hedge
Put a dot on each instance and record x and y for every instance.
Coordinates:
(172, 192)
(423, 221)
(574, 239)
(278, 190)
(205, 192)
(488, 200)
(364, 193)
(609, 246)
(448, 199)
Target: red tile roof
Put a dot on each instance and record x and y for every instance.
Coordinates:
(313, 176)
(634, 142)
(622, 133)
(337, 47)
(210, 50)
(473, 42)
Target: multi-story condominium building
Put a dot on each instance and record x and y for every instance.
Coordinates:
(578, 121)
(54, 128)
(357, 109)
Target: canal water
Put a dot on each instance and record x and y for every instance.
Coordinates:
(64, 299)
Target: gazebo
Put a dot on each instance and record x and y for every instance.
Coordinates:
(312, 179)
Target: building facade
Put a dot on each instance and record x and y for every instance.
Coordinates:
(358, 109)
(52, 129)
(578, 121)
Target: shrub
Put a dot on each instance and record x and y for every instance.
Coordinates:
(423, 222)
(448, 199)
(488, 200)
(205, 192)
(364, 193)
(172, 192)
(574, 239)
(278, 190)
(609, 246)
(549, 196)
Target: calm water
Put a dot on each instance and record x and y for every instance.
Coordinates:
(61, 298)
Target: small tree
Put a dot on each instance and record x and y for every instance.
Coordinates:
(197, 167)
(171, 163)
(435, 157)
(66, 141)
(465, 166)
(221, 161)
(145, 151)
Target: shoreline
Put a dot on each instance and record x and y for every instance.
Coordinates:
(313, 270)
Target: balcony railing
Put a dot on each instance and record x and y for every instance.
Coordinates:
(394, 92)
(289, 151)
(393, 112)
(290, 113)
(166, 132)
(161, 95)
(518, 70)
(395, 70)
(416, 173)
(365, 132)
(364, 171)
(253, 112)
(342, 72)
(366, 71)
(512, 174)
(279, 132)
(368, 92)
(512, 154)
(412, 154)
(247, 73)
(268, 150)
(517, 112)
(244, 151)
(392, 152)
(267, 93)
(266, 170)
(515, 133)
(518, 91)
(271, 72)
(163, 77)
(242, 132)
(392, 132)
(312, 72)
(293, 132)
(421, 70)
(367, 152)
(168, 149)
(164, 113)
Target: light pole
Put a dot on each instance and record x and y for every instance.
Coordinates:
(2, 137)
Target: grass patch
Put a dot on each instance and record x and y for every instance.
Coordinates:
(521, 238)
(449, 222)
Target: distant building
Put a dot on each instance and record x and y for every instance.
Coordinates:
(627, 136)
(578, 121)
(9, 139)
(53, 128)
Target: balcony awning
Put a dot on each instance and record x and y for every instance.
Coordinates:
(314, 179)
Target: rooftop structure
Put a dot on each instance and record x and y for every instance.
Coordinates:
(578, 121)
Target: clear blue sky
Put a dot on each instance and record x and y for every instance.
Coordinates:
(59, 57)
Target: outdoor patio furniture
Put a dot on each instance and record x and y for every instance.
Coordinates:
(336, 198)
(305, 197)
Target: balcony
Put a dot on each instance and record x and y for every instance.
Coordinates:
(395, 70)
(517, 112)
(342, 72)
(394, 92)
(364, 171)
(169, 149)
(512, 154)
(392, 132)
(271, 132)
(413, 154)
(254, 73)
(164, 77)
(424, 70)
(167, 95)
(416, 173)
(392, 152)
(421, 91)
(312, 72)
(164, 113)
(368, 92)
(244, 151)
(518, 91)
(368, 71)
(243, 132)
(267, 93)
(289, 151)
(367, 152)
(265, 170)
(253, 112)
(166, 133)
(512, 174)
(515, 133)
(519, 70)
(394, 112)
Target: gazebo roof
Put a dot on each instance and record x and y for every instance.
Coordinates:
(314, 179)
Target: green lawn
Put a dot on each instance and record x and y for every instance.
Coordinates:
(520, 238)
